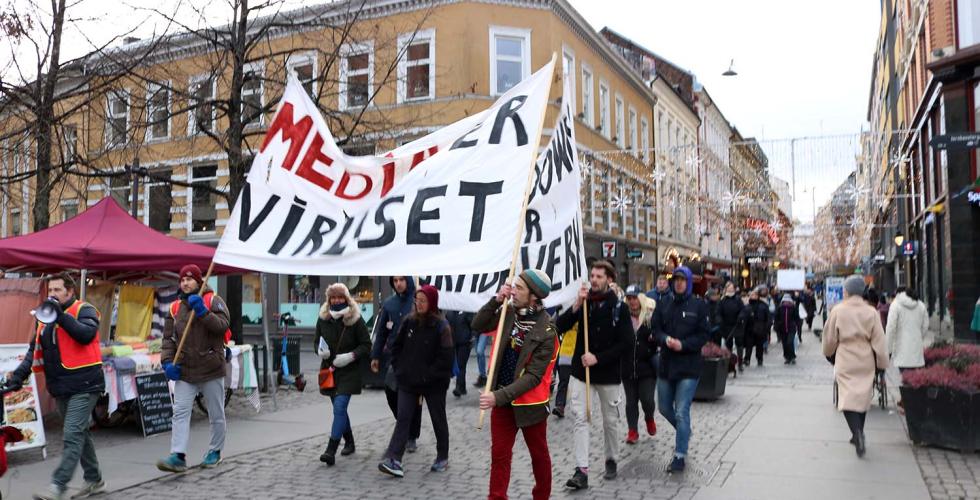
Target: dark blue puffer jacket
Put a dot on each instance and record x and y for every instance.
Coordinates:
(393, 310)
(685, 318)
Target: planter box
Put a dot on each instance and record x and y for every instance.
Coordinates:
(714, 375)
(937, 416)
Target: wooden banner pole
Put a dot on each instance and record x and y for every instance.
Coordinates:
(588, 380)
(492, 372)
(190, 320)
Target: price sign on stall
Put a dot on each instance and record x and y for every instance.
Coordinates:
(156, 408)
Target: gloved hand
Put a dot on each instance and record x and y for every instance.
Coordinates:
(197, 303)
(172, 371)
(11, 385)
(343, 360)
(323, 350)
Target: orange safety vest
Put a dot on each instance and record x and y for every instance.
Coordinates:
(74, 355)
(208, 297)
(541, 393)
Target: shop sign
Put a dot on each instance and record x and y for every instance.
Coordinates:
(634, 253)
(608, 249)
(954, 142)
(764, 227)
(910, 248)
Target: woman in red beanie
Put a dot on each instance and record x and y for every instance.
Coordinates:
(423, 359)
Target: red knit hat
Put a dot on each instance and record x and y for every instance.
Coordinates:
(192, 271)
(432, 294)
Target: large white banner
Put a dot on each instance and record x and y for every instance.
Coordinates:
(552, 240)
(449, 202)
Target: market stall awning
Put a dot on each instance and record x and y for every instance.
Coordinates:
(104, 238)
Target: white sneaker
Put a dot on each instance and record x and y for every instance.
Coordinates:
(53, 492)
(90, 489)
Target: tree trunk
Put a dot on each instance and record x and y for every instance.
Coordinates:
(45, 99)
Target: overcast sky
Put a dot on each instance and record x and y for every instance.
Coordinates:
(804, 67)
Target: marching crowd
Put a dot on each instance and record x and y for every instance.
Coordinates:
(625, 347)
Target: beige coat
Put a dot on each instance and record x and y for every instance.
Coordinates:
(853, 332)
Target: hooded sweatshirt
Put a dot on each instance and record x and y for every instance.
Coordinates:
(908, 324)
(686, 319)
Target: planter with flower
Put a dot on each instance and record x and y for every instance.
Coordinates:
(714, 372)
(942, 399)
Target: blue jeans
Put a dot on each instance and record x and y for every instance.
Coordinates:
(481, 354)
(674, 398)
(341, 422)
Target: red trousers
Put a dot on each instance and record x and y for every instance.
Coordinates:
(503, 433)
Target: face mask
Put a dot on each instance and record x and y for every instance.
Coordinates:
(338, 311)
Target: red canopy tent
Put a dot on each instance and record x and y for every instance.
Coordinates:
(106, 239)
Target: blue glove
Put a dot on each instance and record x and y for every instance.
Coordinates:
(197, 303)
(172, 371)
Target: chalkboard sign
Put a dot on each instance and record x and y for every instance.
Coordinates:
(156, 409)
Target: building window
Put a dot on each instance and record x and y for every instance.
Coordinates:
(588, 103)
(359, 149)
(159, 200)
(118, 118)
(620, 123)
(70, 144)
(202, 106)
(69, 209)
(16, 223)
(510, 58)
(968, 23)
(252, 88)
(356, 74)
(416, 69)
(644, 138)
(303, 67)
(604, 109)
(633, 142)
(203, 200)
(158, 111)
(568, 74)
(119, 189)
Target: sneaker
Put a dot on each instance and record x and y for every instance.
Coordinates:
(440, 465)
(211, 459)
(558, 412)
(579, 480)
(610, 470)
(53, 492)
(677, 465)
(89, 489)
(172, 463)
(392, 467)
(412, 446)
(632, 436)
(651, 427)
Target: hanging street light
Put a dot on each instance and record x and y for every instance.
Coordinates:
(731, 70)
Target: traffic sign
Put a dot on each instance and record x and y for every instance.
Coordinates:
(959, 141)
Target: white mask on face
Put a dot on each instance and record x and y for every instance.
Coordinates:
(339, 314)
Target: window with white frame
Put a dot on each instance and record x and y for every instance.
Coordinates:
(69, 136)
(303, 67)
(158, 111)
(202, 105)
(252, 98)
(620, 123)
(510, 57)
(159, 199)
(416, 69)
(356, 74)
(69, 209)
(204, 214)
(633, 139)
(568, 74)
(119, 189)
(117, 118)
(588, 102)
(644, 138)
(16, 223)
(604, 109)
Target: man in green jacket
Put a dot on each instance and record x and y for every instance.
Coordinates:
(524, 360)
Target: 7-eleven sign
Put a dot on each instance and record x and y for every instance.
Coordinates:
(608, 249)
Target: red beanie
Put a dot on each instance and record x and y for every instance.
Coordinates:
(192, 271)
(432, 294)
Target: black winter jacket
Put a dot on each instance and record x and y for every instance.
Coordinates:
(460, 323)
(685, 319)
(759, 320)
(393, 310)
(62, 382)
(608, 339)
(729, 311)
(422, 355)
(638, 361)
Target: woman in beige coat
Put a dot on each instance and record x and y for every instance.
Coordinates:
(854, 341)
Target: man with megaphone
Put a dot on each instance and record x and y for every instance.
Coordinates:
(66, 347)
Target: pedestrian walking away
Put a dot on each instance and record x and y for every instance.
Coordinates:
(386, 328)
(639, 366)
(463, 344)
(810, 306)
(201, 369)
(906, 330)
(756, 329)
(854, 342)
(341, 340)
(681, 330)
(67, 352)
(565, 354)
(524, 361)
(732, 321)
(786, 324)
(610, 334)
(422, 361)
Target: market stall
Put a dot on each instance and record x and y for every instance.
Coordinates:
(129, 273)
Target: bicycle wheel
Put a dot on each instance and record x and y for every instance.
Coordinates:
(201, 405)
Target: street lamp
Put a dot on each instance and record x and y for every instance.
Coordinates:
(899, 239)
(731, 70)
